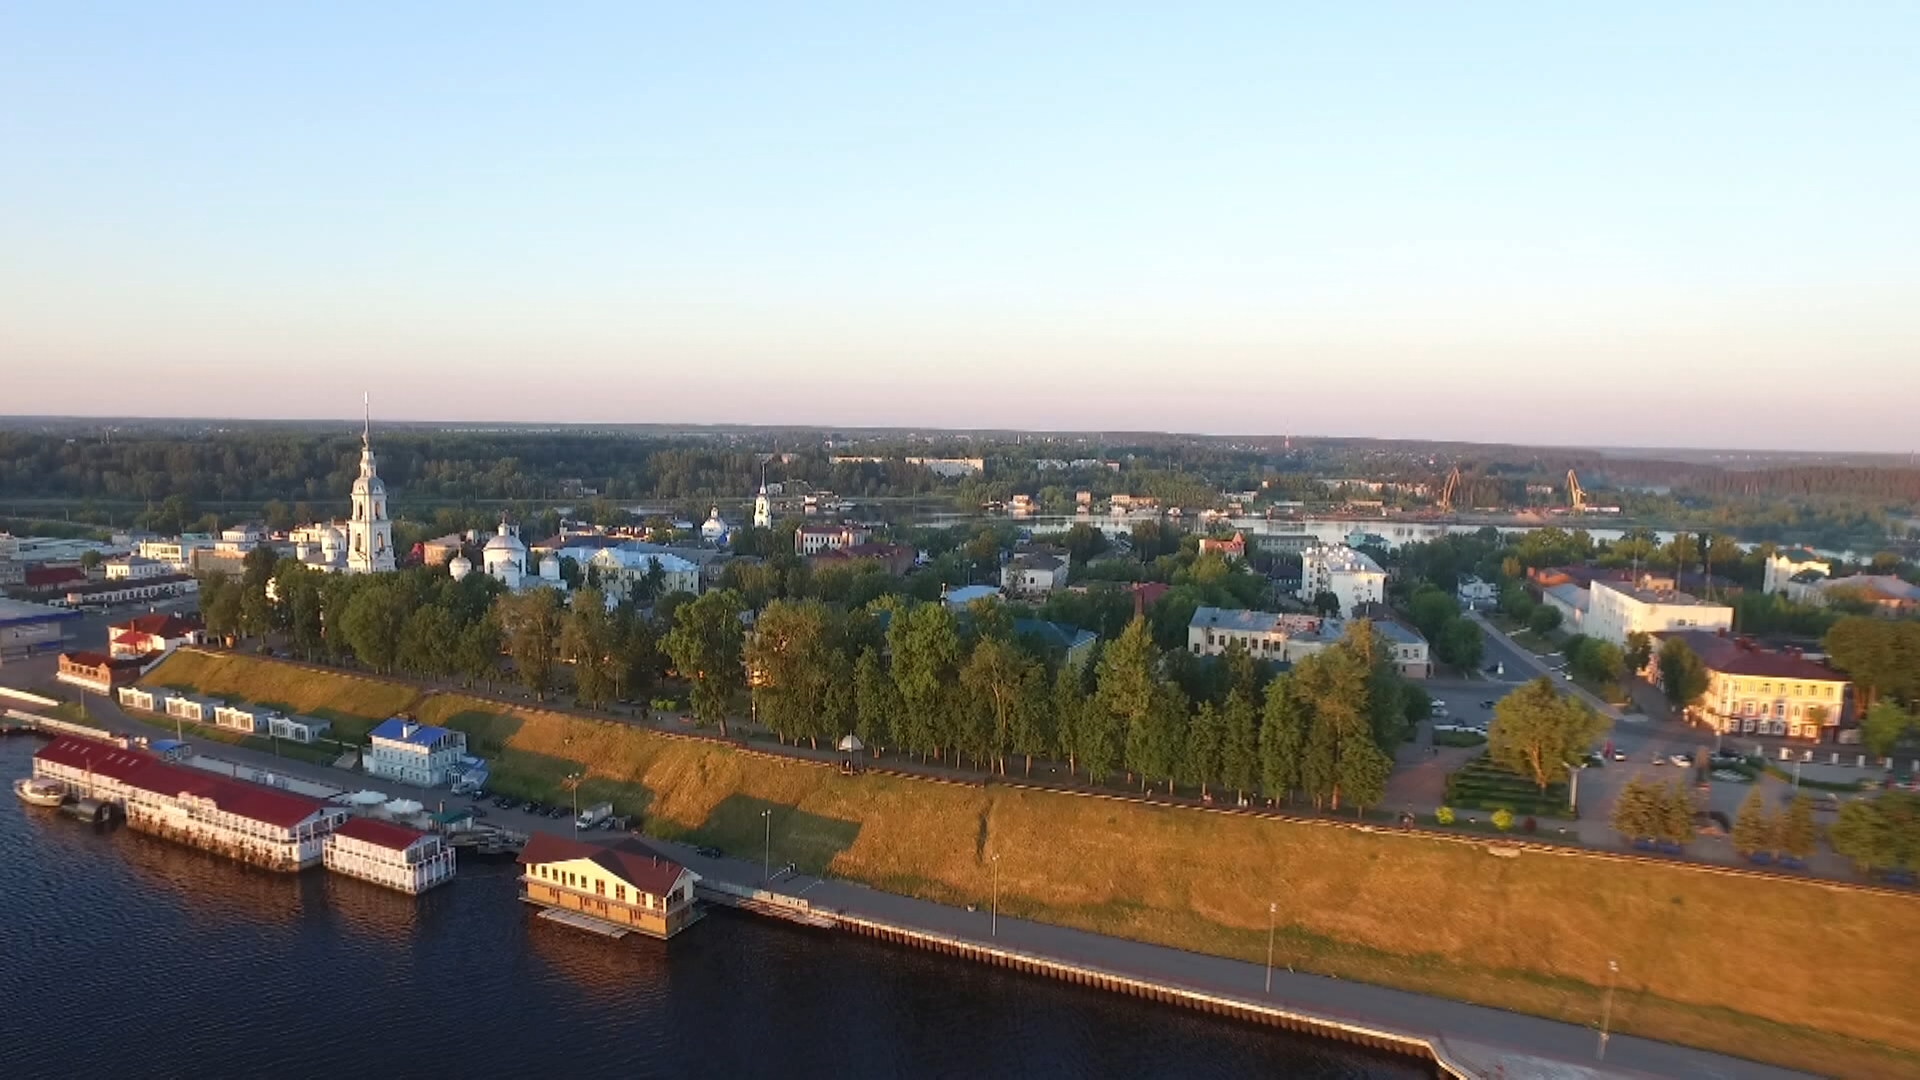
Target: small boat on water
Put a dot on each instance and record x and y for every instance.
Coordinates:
(35, 792)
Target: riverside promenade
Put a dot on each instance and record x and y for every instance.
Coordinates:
(1467, 1040)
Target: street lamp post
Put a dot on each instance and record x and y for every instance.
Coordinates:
(1606, 1011)
(994, 924)
(1796, 776)
(573, 781)
(766, 863)
(1273, 911)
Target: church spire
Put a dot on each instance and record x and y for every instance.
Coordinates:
(366, 433)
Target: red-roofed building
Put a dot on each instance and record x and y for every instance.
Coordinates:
(98, 672)
(37, 578)
(1756, 691)
(250, 822)
(1148, 593)
(1233, 549)
(388, 854)
(154, 634)
(625, 885)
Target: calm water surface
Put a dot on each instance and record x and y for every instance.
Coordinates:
(126, 956)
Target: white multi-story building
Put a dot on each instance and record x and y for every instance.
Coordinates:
(622, 569)
(415, 753)
(1783, 566)
(1474, 594)
(1288, 639)
(813, 539)
(1034, 575)
(176, 553)
(388, 854)
(136, 568)
(1615, 610)
(1348, 574)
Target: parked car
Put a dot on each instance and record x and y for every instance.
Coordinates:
(1619, 755)
(1487, 704)
(708, 851)
(1680, 760)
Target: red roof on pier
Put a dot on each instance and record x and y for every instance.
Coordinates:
(380, 833)
(148, 773)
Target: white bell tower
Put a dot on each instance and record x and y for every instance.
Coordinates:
(370, 532)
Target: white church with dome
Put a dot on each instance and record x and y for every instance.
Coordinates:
(504, 559)
(363, 544)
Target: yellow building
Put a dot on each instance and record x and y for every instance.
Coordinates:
(1753, 691)
(623, 886)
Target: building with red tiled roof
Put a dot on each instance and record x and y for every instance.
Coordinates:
(1756, 691)
(98, 672)
(154, 634)
(251, 822)
(388, 854)
(624, 885)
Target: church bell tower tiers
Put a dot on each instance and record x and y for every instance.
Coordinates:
(370, 532)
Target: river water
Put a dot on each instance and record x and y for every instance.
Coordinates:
(127, 956)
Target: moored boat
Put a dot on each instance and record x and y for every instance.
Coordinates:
(36, 792)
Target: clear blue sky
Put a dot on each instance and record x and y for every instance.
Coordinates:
(1619, 224)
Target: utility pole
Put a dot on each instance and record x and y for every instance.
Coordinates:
(573, 782)
(766, 862)
(995, 924)
(1273, 913)
(1606, 1011)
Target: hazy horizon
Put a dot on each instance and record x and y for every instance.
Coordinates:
(1636, 227)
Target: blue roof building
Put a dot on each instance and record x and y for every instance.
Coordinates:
(415, 753)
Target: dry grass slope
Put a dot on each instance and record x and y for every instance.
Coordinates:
(354, 704)
(1798, 973)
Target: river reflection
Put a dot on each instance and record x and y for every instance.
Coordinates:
(125, 955)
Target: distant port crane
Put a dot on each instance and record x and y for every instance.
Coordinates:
(1447, 490)
(1576, 495)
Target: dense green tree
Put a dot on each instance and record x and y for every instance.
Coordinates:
(992, 678)
(373, 621)
(1884, 726)
(1882, 833)
(530, 624)
(589, 641)
(1544, 620)
(1431, 611)
(1283, 742)
(924, 640)
(1069, 704)
(1540, 734)
(1755, 829)
(1682, 677)
(1639, 651)
(1240, 759)
(1798, 837)
(1123, 696)
(477, 652)
(1462, 644)
(1154, 740)
(1200, 758)
(427, 642)
(1032, 733)
(875, 702)
(788, 661)
(705, 645)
